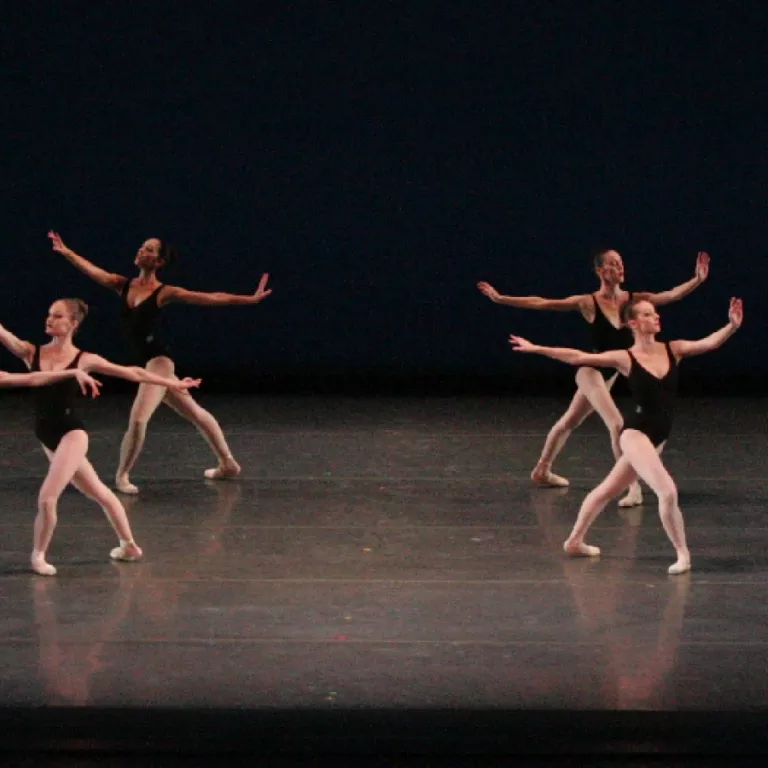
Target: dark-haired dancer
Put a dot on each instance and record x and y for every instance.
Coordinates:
(62, 433)
(651, 370)
(602, 310)
(143, 298)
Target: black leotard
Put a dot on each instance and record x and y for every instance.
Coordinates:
(606, 336)
(651, 411)
(139, 326)
(55, 406)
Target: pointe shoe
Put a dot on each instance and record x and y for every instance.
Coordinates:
(41, 567)
(124, 485)
(224, 471)
(580, 550)
(548, 479)
(683, 565)
(127, 552)
(634, 497)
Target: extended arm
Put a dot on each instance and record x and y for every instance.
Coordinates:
(684, 348)
(44, 378)
(99, 275)
(22, 349)
(173, 293)
(682, 290)
(533, 302)
(96, 363)
(616, 358)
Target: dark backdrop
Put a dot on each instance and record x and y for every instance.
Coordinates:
(377, 159)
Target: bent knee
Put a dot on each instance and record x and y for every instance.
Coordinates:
(589, 376)
(191, 411)
(47, 503)
(615, 425)
(668, 496)
(604, 497)
(163, 366)
(566, 423)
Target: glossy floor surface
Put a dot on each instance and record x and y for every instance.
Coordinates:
(387, 556)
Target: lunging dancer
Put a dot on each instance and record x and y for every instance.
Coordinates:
(651, 370)
(60, 430)
(143, 298)
(602, 310)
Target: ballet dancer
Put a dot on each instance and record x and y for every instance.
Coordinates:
(650, 367)
(602, 310)
(62, 433)
(143, 298)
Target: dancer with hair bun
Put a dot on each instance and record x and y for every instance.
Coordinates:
(143, 298)
(61, 431)
(602, 310)
(650, 367)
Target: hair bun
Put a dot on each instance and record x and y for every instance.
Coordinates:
(168, 253)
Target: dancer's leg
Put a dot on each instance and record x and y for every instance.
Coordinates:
(597, 391)
(69, 454)
(148, 398)
(90, 484)
(616, 481)
(184, 404)
(577, 411)
(648, 464)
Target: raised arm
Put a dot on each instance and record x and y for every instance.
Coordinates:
(44, 378)
(99, 275)
(616, 358)
(172, 293)
(682, 348)
(682, 290)
(91, 362)
(570, 303)
(22, 349)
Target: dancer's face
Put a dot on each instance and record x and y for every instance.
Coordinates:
(611, 271)
(646, 319)
(60, 322)
(148, 256)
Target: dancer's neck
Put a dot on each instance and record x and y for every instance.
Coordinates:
(609, 292)
(147, 277)
(61, 344)
(645, 342)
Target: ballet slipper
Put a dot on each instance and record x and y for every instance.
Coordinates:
(40, 566)
(634, 497)
(228, 469)
(127, 552)
(124, 485)
(580, 549)
(544, 477)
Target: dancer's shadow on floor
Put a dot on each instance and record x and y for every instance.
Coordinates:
(717, 497)
(82, 566)
(728, 565)
(703, 564)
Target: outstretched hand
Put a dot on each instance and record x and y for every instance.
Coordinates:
(88, 385)
(736, 312)
(262, 291)
(57, 242)
(187, 383)
(702, 266)
(488, 290)
(519, 344)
